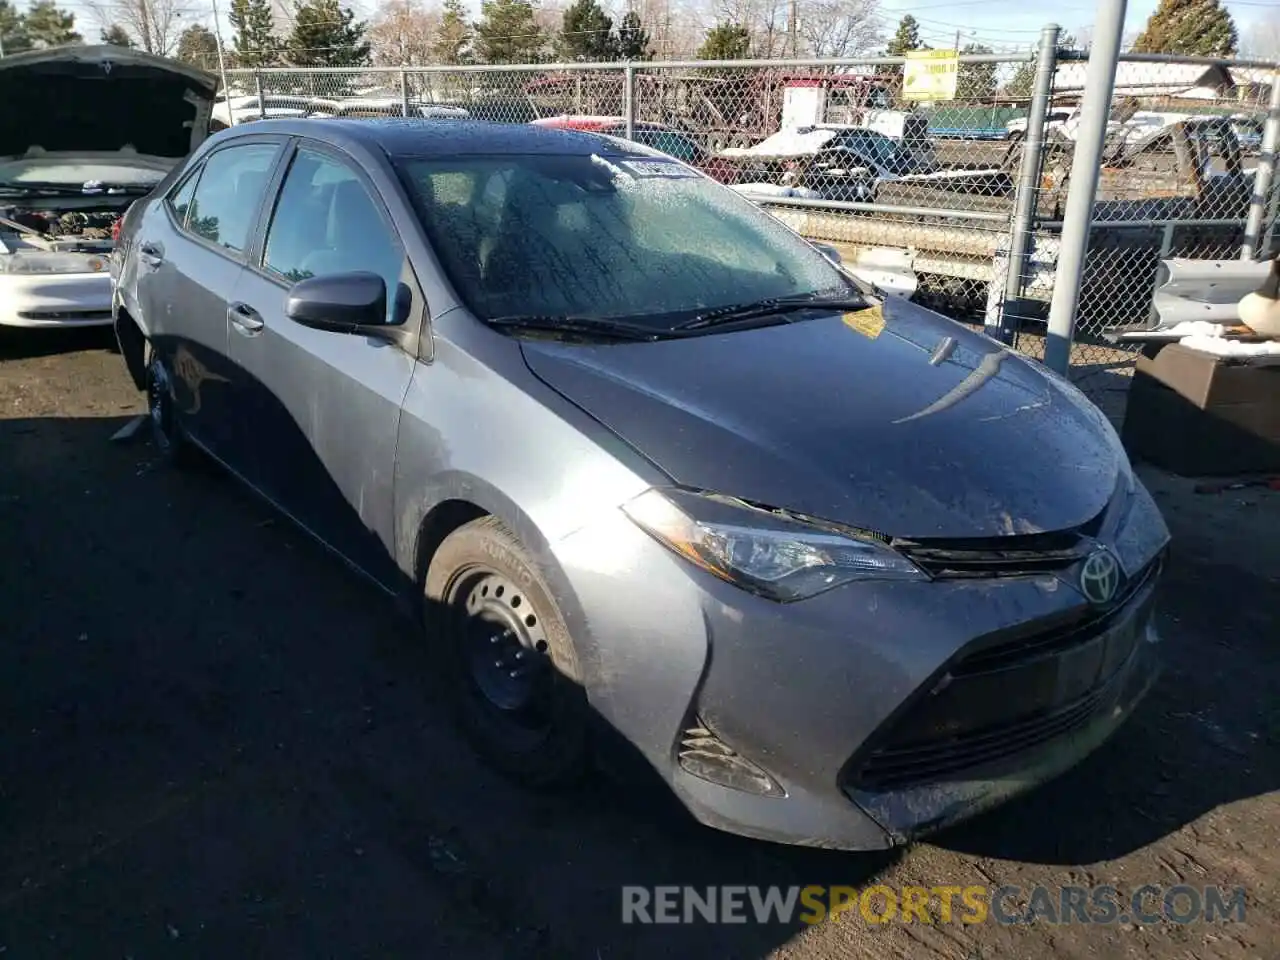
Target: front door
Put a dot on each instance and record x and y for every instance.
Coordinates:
(325, 406)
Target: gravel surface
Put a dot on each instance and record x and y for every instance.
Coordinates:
(218, 743)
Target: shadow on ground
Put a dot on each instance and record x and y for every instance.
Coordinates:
(220, 742)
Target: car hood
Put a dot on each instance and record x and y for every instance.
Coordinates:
(102, 98)
(892, 419)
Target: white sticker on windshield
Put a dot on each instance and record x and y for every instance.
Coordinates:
(658, 170)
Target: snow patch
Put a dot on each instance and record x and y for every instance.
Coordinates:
(775, 190)
(1231, 348)
(785, 143)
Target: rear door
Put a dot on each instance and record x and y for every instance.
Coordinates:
(191, 253)
(324, 407)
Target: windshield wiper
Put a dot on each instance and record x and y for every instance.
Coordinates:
(774, 307)
(587, 326)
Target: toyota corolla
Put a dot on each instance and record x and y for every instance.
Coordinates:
(658, 477)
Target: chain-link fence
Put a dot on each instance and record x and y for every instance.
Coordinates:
(965, 196)
(1180, 165)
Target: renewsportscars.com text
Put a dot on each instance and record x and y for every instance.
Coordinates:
(881, 904)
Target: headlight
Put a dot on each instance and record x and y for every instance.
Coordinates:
(1142, 532)
(774, 555)
(49, 262)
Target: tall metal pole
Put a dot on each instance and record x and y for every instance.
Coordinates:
(222, 63)
(1264, 177)
(629, 99)
(1024, 212)
(1095, 108)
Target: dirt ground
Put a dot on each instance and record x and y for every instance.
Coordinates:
(216, 744)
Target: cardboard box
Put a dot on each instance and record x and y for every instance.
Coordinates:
(1197, 414)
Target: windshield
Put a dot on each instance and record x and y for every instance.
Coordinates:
(880, 149)
(646, 240)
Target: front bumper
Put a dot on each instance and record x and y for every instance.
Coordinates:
(55, 299)
(836, 697)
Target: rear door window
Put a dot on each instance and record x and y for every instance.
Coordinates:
(226, 201)
(179, 200)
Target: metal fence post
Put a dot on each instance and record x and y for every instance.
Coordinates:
(1024, 213)
(404, 91)
(1077, 218)
(629, 98)
(1264, 177)
(262, 103)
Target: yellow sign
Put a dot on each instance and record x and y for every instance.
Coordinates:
(867, 322)
(930, 75)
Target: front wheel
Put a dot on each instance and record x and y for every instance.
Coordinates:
(511, 664)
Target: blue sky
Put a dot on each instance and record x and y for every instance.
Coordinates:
(1000, 24)
(1004, 24)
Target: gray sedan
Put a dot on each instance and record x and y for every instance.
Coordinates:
(658, 479)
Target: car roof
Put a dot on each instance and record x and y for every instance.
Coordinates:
(413, 137)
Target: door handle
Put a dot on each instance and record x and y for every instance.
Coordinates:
(152, 254)
(244, 318)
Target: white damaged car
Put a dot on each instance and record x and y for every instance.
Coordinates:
(84, 131)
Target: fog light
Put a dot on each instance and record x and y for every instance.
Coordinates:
(707, 757)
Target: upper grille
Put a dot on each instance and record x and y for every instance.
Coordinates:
(1017, 555)
(1044, 643)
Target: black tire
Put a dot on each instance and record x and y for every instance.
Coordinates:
(487, 605)
(167, 438)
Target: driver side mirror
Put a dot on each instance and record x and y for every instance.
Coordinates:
(339, 302)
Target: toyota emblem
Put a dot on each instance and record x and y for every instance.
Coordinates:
(1100, 577)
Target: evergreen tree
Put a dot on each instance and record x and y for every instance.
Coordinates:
(587, 34)
(50, 26)
(199, 47)
(726, 41)
(13, 29)
(508, 33)
(1201, 28)
(633, 39)
(116, 35)
(976, 81)
(253, 42)
(906, 39)
(327, 35)
(452, 41)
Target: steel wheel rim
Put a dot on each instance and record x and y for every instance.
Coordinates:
(505, 646)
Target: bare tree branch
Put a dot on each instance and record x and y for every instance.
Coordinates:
(402, 32)
(155, 25)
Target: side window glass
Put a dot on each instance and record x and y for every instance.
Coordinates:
(327, 222)
(180, 198)
(229, 194)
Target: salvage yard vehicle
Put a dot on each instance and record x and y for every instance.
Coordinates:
(658, 136)
(660, 480)
(84, 132)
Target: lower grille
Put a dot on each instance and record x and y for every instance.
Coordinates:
(894, 768)
(1007, 696)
